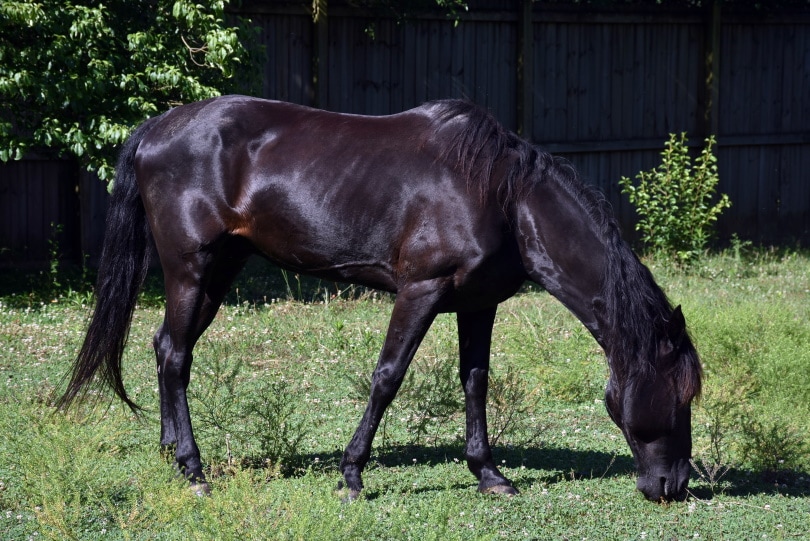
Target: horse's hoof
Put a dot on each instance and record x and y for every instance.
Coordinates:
(201, 489)
(507, 490)
(346, 494)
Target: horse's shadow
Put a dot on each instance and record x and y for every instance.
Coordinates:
(551, 465)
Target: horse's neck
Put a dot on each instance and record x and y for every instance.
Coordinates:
(564, 251)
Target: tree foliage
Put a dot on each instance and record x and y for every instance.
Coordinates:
(76, 76)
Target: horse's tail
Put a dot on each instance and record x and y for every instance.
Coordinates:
(122, 271)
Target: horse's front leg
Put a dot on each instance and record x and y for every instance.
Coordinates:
(475, 335)
(415, 308)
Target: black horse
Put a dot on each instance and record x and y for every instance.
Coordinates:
(440, 205)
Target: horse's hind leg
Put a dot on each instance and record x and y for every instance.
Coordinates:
(475, 336)
(195, 288)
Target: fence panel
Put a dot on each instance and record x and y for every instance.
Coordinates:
(39, 212)
(609, 89)
(379, 66)
(289, 44)
(606, 90)
(764, 124)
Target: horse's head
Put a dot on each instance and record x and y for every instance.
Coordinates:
(652, 409)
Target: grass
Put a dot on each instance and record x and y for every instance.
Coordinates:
(277, 389)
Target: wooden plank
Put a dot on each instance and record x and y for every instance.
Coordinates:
(714, 56)
(93, 199)
(321, 60)
(433, 54)
(409, 69)
(795, 193)
(525, 72)
(459, 61)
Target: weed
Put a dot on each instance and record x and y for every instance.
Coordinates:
(709, 470)
(773, 446)
(431, 396)
(293, 294)
(263, 413)
(510, 405)
(727, 399)
(54, 254)
(278, 424)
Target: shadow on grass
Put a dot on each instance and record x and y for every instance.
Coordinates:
(551, 465)
(541, 465)
(742, 483)
(258, 283)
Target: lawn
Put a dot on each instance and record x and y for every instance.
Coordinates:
(278, 386)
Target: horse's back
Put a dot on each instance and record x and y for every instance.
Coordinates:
(348, 197)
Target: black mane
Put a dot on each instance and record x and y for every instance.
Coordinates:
(477, 145)
(636, 307)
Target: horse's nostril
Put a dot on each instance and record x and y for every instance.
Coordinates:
(661, 489)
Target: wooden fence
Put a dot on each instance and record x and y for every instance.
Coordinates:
(604, 88)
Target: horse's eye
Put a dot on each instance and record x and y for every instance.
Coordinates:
(647, 436)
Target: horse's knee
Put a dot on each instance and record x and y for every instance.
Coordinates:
(475, 382)
(160, 341)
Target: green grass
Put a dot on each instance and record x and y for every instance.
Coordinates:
(97, 472)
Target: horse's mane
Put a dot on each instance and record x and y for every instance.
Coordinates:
(636, 307)
(476, 143)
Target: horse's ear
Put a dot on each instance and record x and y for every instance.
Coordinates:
(676, 329)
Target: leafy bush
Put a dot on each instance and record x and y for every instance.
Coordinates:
(773, 445)
(673, 200)
(76, 76)
(251, 414)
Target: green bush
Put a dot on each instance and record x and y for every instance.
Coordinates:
(673, 200)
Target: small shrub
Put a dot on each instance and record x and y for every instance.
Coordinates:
(510, 404)
(718, 412)
(673, 200)
(431, 394)
(280, 430)
(263, 416)
(431, 397)
(772, 445)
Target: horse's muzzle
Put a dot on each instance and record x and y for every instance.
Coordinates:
(666, 487)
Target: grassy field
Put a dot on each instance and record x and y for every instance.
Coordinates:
(278, 387)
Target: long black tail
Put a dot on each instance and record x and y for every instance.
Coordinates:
(122, 270)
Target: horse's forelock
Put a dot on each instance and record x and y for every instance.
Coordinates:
(688, 376)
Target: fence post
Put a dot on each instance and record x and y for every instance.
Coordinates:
(321, 53)
(525, 75)
(93, 201)
(712, 112)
